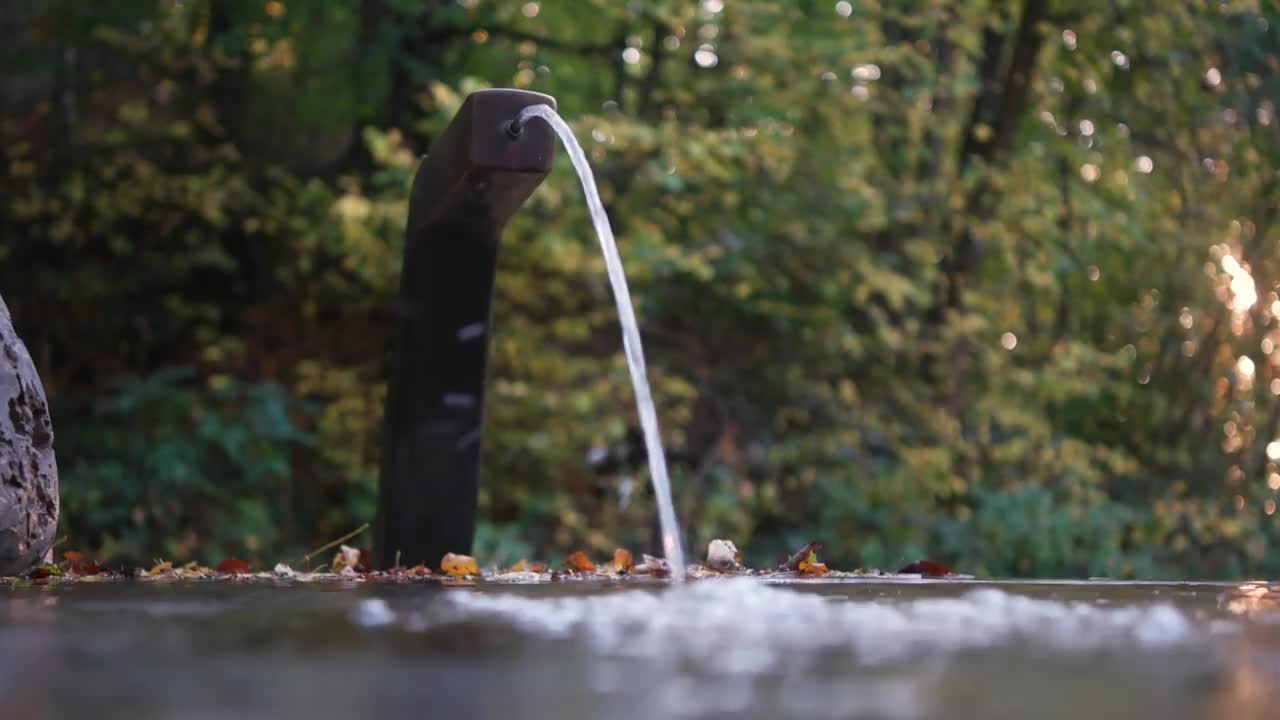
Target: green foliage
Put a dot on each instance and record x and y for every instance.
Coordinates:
(990, 282)
(165, 466)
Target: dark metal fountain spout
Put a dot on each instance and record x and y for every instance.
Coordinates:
(478, 172)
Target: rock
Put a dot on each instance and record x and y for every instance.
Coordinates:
(723, 555)
(28, 470)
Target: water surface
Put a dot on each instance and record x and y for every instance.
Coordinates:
(710, 648)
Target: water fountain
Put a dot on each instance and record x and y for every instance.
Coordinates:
(731, 644)
(476, 175)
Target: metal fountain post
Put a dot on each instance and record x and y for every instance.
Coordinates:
(478, 172)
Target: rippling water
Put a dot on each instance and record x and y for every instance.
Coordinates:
(711, 648)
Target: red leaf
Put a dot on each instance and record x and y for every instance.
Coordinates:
(78, 564)
(232, 566)
(927, 568)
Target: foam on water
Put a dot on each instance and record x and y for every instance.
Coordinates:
(737, 647)
(739, 626)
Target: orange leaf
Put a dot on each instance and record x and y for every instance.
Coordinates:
(810, 565)
(232, 566)
(622, 561)
(538, 567)
(459, 565)
(78, 565)
(813, 568)
(580, 563)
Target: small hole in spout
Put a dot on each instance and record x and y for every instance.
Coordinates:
(514, 129)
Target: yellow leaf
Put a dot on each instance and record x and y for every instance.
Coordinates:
(811, 566)
(521, 566)
(459, 565)
(622, 561)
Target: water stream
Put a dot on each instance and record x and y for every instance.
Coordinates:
(672, 546)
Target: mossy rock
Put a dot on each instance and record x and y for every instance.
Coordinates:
(28, 470)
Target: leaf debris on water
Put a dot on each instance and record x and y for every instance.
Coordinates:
(232, 566)
(623, 563)
(792, 564)
(927, 568)
(579, 562)
(351, 564)
(459, 566)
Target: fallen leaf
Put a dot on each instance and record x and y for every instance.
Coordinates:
(927, 568)
(420, 571)
(346, 557)
(459, 565)
(194, 571)
(723, 555)
(519, 567)
(793, 562)
(813, 568)
(622, 561)
(579, 562)
(161, 566)
(697, 572)
(78, 565)
(651, 565)
(538, 567)
(44, 570)
(521, 577)
(230, 566)
(1251, 599)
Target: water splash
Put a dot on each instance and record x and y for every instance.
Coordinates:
(630, 335)
(740, 626)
